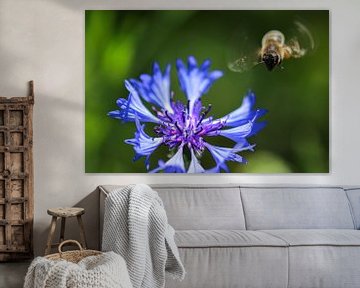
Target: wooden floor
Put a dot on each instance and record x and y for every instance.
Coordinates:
(12, 274)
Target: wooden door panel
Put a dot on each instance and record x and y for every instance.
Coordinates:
(16, 177)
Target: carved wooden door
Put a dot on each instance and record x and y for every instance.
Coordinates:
(16, 177)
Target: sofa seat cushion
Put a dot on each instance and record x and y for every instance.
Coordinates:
(317, 237)
(226, 238)
(322, 258)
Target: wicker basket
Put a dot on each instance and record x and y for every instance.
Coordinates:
(72, 256)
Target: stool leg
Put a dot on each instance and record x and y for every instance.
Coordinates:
(51, 235)
(62, 230)
(82, 232)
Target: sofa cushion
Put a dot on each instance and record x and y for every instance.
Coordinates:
(328, 258)
(324, 266)
(192, 207)
(354, 198)
(317, 237)
(220, 267)
(226, 238)
(296, 208)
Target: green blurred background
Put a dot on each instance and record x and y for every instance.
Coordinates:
(124, 44)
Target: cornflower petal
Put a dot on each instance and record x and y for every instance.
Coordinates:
(132, 107)
(236, 133)
(245, 112)
(195, 81)
(144, 145)
(223, 154)
(174, 165)
(257, 126)
(195, 166)
(155, 88)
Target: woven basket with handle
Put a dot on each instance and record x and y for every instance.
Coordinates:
(72, 256)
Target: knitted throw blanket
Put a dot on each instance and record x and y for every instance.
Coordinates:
(103, 271)
(136, 227)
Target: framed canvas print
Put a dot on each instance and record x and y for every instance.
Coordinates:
(207, 91)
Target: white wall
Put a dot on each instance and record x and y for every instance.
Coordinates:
(43, 40)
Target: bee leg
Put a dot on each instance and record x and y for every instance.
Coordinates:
(288, 52)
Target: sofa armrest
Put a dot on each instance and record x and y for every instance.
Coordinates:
(102, 197)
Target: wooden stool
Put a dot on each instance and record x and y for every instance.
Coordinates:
(64, 213)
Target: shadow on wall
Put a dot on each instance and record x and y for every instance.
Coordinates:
(90, 219)
(56, 154)
(30, 52)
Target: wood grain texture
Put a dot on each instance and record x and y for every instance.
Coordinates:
(66, 211)
(16, 177)
(63, 213)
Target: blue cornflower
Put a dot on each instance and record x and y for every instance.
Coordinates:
(184, 128)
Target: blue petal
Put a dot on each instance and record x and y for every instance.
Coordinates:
(174, 165)
(244, 113)
(155, 88)
(144, 145)
(223, 154)
(257, 127)
(195, 81)
(195, 166)
(237, 133)
(215, 169)
(132, 107)
(115, 114)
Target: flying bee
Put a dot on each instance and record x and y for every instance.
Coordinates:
(274, 49)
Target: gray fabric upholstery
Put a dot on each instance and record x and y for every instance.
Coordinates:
(226, 267)
(305, 236)
(324, 267)
(354, 198)
(225, 238)
(338, 237)
(191, 208)
(296, 208)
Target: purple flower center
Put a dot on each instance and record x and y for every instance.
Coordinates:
(183, 127)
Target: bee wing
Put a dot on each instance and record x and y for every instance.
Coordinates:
(243, 54)
(242, 64)
(301, 40)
